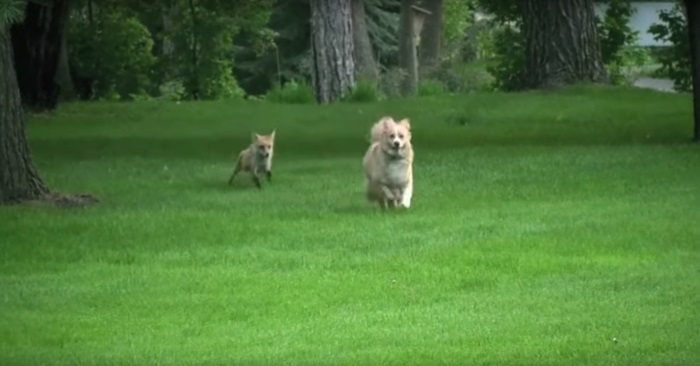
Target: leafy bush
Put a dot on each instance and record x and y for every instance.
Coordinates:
(115, 55)
(628, 65)
(507, 60)
(292, 92)
(431, 87)
(463, 77)
(364, 91)
(390, 82)
(614, 31)
(172, 90)
(208, 75)
(675, 60)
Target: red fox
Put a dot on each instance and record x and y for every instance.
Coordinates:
(388, 164)
(256, 159)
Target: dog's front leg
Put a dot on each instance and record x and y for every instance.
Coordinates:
(406, 196)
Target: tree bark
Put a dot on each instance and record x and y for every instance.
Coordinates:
(408, 58)
(692, 10)
(194, 84)
(561, 43)
(19, 179)
(332, 49)
(63, 76)
(365, 65)
(37, 49)
(431, 38)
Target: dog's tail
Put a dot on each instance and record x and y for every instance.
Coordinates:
(378, 129)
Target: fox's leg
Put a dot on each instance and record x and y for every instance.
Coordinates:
(236, 170)
(268, 174)
(256, 180)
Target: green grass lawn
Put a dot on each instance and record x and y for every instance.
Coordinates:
(546, 229)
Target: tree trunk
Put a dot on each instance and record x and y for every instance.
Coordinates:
(561, 43)
(431, 38)
(365, 65)
(19, 179)
(332, 49)
(194, 83)
(692, 10)
(37, 49)
(63, 76)
(408, 58)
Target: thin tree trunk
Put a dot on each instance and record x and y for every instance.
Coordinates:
(63, 76)
(37, 48)
(19, 179)
(431, 38)
(561, 43)
(194, 89)
(332, 49)
(408, 58)
(365, 65)
(692, 8)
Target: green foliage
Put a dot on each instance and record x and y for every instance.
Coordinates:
(364, 91)
(115, 52)
(383, 29)
(390, 81)
(629, 63)
(207, 68)
(172, 90)
(464, 77)
(292, 92)
(457, 17)
(507, 60)
(431, 87)
(258, 70)
(614, 31)
(675, 60)
(11, 11)
(503, 44)
(621, 58)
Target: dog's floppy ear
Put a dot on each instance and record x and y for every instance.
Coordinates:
(405, 122)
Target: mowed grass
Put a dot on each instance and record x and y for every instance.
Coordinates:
(546, 229)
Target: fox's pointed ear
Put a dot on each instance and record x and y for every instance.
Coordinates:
(254, 136)
(273, 133)
(406, 123)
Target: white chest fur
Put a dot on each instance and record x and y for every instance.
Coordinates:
(397, 173)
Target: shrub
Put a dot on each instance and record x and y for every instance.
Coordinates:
(115, 55)
(292, 92)
(614, 31)
(431, 87)
(172, 90)
(675, 60)
(390, 82)
(508, 59)
(364, 91)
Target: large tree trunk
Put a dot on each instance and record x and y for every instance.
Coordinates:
(332, 49)
(365, 65)
(431, 37)
(561, 43)
(408, 58)
(37, 48)
(692, 10)
(19, 179)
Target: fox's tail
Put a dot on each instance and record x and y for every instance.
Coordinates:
(378, 129)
